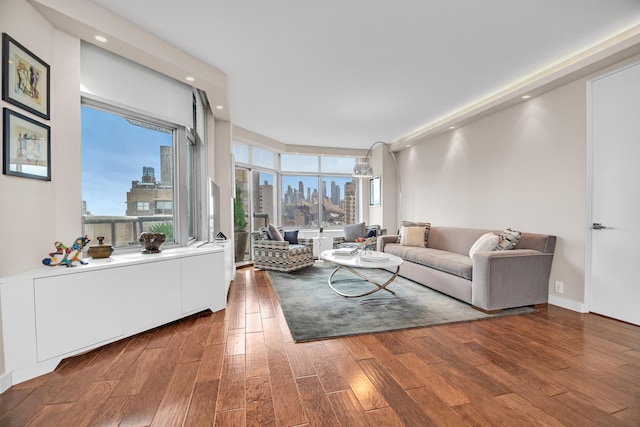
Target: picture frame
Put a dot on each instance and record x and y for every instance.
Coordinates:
(374, 191)
(26, 147)
(25, 78)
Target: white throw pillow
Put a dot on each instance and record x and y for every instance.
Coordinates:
(412, 236)
(486, 242)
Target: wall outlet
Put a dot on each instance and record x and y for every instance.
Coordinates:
(559, 287)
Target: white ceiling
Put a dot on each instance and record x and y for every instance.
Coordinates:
(347, 73)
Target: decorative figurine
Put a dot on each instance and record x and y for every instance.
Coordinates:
(151, 241)
(67, 255)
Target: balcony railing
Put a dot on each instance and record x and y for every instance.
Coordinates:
(120, 231)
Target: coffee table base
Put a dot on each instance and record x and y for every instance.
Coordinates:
(368, 279)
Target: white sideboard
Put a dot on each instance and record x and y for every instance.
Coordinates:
(55, 312)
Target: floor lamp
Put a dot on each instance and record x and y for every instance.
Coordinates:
(363, 169)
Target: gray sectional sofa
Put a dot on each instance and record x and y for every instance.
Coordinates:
(491, 281)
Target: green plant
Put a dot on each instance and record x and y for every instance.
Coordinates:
(239, 221)
(321, 229)
(163, 227)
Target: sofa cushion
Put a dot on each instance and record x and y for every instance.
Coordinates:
(448, 262)
(486, 242)
(354, 231)
(427, 229)
(274, 233)
(508, 239)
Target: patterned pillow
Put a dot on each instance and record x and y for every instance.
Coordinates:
(427, 228)
(508, 239)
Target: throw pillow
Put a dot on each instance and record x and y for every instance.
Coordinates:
(413, 236)
(427, 228)
(486, 242)
(508, 239)
(274, 233)
(291, 237)
(354, 231)
(371, 233)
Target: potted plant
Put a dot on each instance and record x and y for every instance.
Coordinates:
(240, 235)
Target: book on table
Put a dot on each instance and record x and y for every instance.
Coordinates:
(345, 251)
(373, 256)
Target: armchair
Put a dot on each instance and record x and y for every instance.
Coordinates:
(355, 231)
(280, 255)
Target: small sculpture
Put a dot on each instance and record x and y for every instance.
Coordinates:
(67, 255)
(151, 241)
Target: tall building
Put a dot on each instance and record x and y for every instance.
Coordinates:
(149, 197)
(350, 203)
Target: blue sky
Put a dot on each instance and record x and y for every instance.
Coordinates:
(113, 154)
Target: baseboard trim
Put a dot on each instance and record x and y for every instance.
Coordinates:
(568, 304)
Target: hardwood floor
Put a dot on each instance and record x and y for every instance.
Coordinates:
(241, 367)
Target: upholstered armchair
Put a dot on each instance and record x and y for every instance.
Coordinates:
(356, 231)
(270, 254)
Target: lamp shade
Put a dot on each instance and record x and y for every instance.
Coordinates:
(362, 169)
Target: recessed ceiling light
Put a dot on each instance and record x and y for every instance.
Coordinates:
(101, 39)
(189, 79)
(452, 127)
(408, 145)
(526, 96)
(219, 107)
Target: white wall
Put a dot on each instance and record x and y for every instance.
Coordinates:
(523, 167)
(37, 213)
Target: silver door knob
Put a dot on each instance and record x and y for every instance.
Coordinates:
(598, 226)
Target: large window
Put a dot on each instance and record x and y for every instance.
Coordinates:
(128, 176)
(326, 198)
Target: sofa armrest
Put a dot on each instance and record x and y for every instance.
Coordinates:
(514, 278)
(307, 241)
(384, 239)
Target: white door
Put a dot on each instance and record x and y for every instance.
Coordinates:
(615, 237)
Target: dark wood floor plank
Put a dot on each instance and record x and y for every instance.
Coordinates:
(235, 342)
(231, 393)
(211, 363)
(256, 357)
(440, 412)
(347, 408)
(111, 412)
(316, 404)
(405, 408)
(202, 407)
(446, 391)
(175, 402)
(259, 404)
(138, 373)
(253, 322)
(299, 360)
(230, 419)
(286, 400)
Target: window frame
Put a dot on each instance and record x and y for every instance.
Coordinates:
(180, 144)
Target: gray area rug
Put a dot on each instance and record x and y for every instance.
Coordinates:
(313, 311)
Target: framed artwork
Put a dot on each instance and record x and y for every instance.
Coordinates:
(26, 147)
(25, 78)
(374, 191)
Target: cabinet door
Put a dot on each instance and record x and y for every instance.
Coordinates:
(203, 286)
(74, 311)
(151, 294)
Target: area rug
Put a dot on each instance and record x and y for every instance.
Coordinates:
(313, 311)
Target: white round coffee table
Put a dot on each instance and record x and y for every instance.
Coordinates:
(377, 260)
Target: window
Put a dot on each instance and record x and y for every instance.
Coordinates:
(128, 175)
(325, 199)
